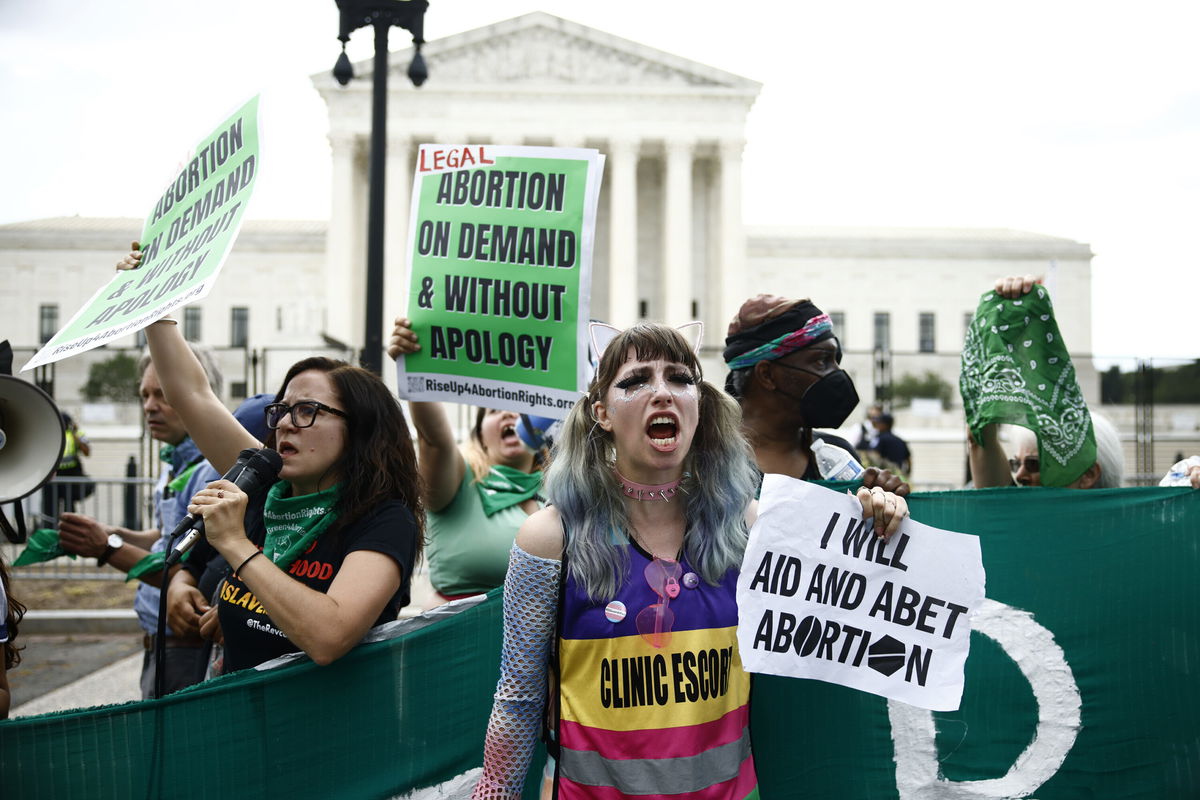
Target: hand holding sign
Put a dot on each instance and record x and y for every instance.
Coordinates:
(404, 339)
(133, 260)
(888, 510)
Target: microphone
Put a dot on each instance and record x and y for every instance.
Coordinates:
(253, 471)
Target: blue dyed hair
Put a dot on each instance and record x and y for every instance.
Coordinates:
(718, 486)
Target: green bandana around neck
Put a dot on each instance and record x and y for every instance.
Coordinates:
(505, 486)
(165, 452)
(294, 523)
(175, 486)
(1016, 370)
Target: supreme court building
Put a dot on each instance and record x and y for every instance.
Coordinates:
(672, 243)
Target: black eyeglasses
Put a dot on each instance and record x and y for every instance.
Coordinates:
(1031, 464)
(304, 413)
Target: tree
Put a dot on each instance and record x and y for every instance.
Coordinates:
(113, 379)
(1174, 384)
(928, 385)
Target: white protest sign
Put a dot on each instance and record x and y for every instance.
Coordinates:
(185, 241)
(821, 597)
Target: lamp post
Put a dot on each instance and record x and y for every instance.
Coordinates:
(381, 14)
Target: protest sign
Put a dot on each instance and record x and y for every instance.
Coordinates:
(499, 278)
(185, 240)
(820, 596)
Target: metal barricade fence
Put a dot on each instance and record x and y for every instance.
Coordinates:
(127, 502)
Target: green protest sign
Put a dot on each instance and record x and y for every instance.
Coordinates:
(500, 259)
(185, 240)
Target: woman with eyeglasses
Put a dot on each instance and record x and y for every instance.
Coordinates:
(626, 584)
(477, 496)
(327, 552)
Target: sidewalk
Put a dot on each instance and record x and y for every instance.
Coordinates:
(58, 672)
(76, 660)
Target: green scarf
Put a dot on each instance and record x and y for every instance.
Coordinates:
(150, 563)
(504, 486)
(1016, 370)
(294, 523)
(175, 486)
(42, 546)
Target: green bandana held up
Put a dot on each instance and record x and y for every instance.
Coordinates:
(294, 523)
(504, 486)
(1015, 370)
(42, 546)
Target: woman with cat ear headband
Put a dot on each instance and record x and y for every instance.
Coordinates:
(633, 567)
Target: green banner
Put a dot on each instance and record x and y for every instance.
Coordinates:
(1081, 683)
(185, 240)
(499, 276)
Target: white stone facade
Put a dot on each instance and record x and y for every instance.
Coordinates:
(670, 228)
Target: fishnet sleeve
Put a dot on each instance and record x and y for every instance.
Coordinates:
(530, 603)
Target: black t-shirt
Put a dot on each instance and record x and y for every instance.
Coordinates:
(250, 636)
(891, 447)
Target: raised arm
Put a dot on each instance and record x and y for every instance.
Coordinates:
(987, 457)
(211, 425)
(440, 461)
(989, 462)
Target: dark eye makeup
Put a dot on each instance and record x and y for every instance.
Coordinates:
(642, 375)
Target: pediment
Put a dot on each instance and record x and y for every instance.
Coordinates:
(540, 49)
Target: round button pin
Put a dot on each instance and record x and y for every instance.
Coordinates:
(691, 580)
(614, 611)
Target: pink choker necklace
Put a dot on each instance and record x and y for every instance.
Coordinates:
(640, 491)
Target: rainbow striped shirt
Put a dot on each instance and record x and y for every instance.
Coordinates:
(639, 721)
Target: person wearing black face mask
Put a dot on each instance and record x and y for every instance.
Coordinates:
(784, 371)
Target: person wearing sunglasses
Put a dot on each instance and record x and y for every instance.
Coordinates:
(327, 551)
(626, 584)
(1017, 372)
(477, 496)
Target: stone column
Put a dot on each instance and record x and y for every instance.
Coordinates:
(622, 250)
(343, 273)
(395, 238)
(732, 261)
(677, 238)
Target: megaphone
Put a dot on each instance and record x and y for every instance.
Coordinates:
(31, 441)
(537, 432)
(32, 432)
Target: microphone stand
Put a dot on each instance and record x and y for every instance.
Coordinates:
(160, 636)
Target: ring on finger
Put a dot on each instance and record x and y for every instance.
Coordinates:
(220, 494)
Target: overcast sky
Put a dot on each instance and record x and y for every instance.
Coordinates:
(1075, 119)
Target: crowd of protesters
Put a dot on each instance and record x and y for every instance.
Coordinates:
(654, 474)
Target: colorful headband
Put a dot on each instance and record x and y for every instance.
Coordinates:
(819, 327)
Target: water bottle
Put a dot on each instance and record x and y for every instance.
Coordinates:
(834, 463)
